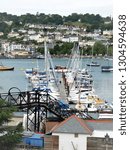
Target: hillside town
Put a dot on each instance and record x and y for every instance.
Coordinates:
(26, 41)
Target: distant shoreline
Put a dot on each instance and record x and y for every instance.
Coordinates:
(53, 56)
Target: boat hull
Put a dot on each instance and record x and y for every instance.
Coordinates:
(93, 64)
(106, 68)
(6, 68)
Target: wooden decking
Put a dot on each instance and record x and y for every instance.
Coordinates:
(51, 143)
(94, 143)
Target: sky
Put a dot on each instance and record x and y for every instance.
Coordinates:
(61, 7)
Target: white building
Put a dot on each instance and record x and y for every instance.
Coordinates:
(30, 32)
(108, 32)
(40, 39)
(58, 37)
(74, 133)
(35, 37)
(16, 47)
(8, 22)
(70, 39)
(1, 33)
(13, 34)
(91, 43)
(62, 27)
(22, 31)
(8, 47)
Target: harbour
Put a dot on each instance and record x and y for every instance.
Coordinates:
(56, 76)
(45, 111)
(103, 82)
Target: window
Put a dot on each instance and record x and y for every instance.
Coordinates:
(76, 135)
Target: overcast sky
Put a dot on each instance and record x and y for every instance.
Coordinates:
(62, 7)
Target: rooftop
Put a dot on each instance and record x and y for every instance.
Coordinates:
(77, 125)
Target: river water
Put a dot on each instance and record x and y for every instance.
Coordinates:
(103, 82)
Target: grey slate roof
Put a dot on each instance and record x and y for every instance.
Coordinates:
(76, 125)
(73, 125)
(100, 125)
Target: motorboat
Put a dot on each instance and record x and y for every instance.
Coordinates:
(107, 68)
(93, 64)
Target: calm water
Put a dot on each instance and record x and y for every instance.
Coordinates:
(103, 82)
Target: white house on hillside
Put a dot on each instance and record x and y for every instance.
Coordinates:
(1, 33)
(13, 34)
(108, 32)
(9, 47)
(70, 38)
(31, 32)
(34, 37)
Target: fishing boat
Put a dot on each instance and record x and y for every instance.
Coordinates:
(5, 68)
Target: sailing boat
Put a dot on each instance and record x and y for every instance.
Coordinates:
(93, 63)
(108, 67)
(48, 82)
(5, 68)
(79, 81)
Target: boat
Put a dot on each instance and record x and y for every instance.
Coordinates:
(79, 85)
(107, 68)
(106, 107)
(105, 116)
(60, 69)
(5, 68)
(45, 80)
(40, 57)
(30, 72)
(93, 64)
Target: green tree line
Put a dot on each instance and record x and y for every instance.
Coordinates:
(65, 49)
(90, 20)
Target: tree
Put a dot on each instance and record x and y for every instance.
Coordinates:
(9, 136)
(99, 48)
(4, 27)
(56, 19)
(73, 17)
(64, 48)
(89, 50)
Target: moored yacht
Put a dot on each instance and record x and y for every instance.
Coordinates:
(107, 68)
(93, 64)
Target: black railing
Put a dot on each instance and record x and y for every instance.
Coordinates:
(38, 105)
